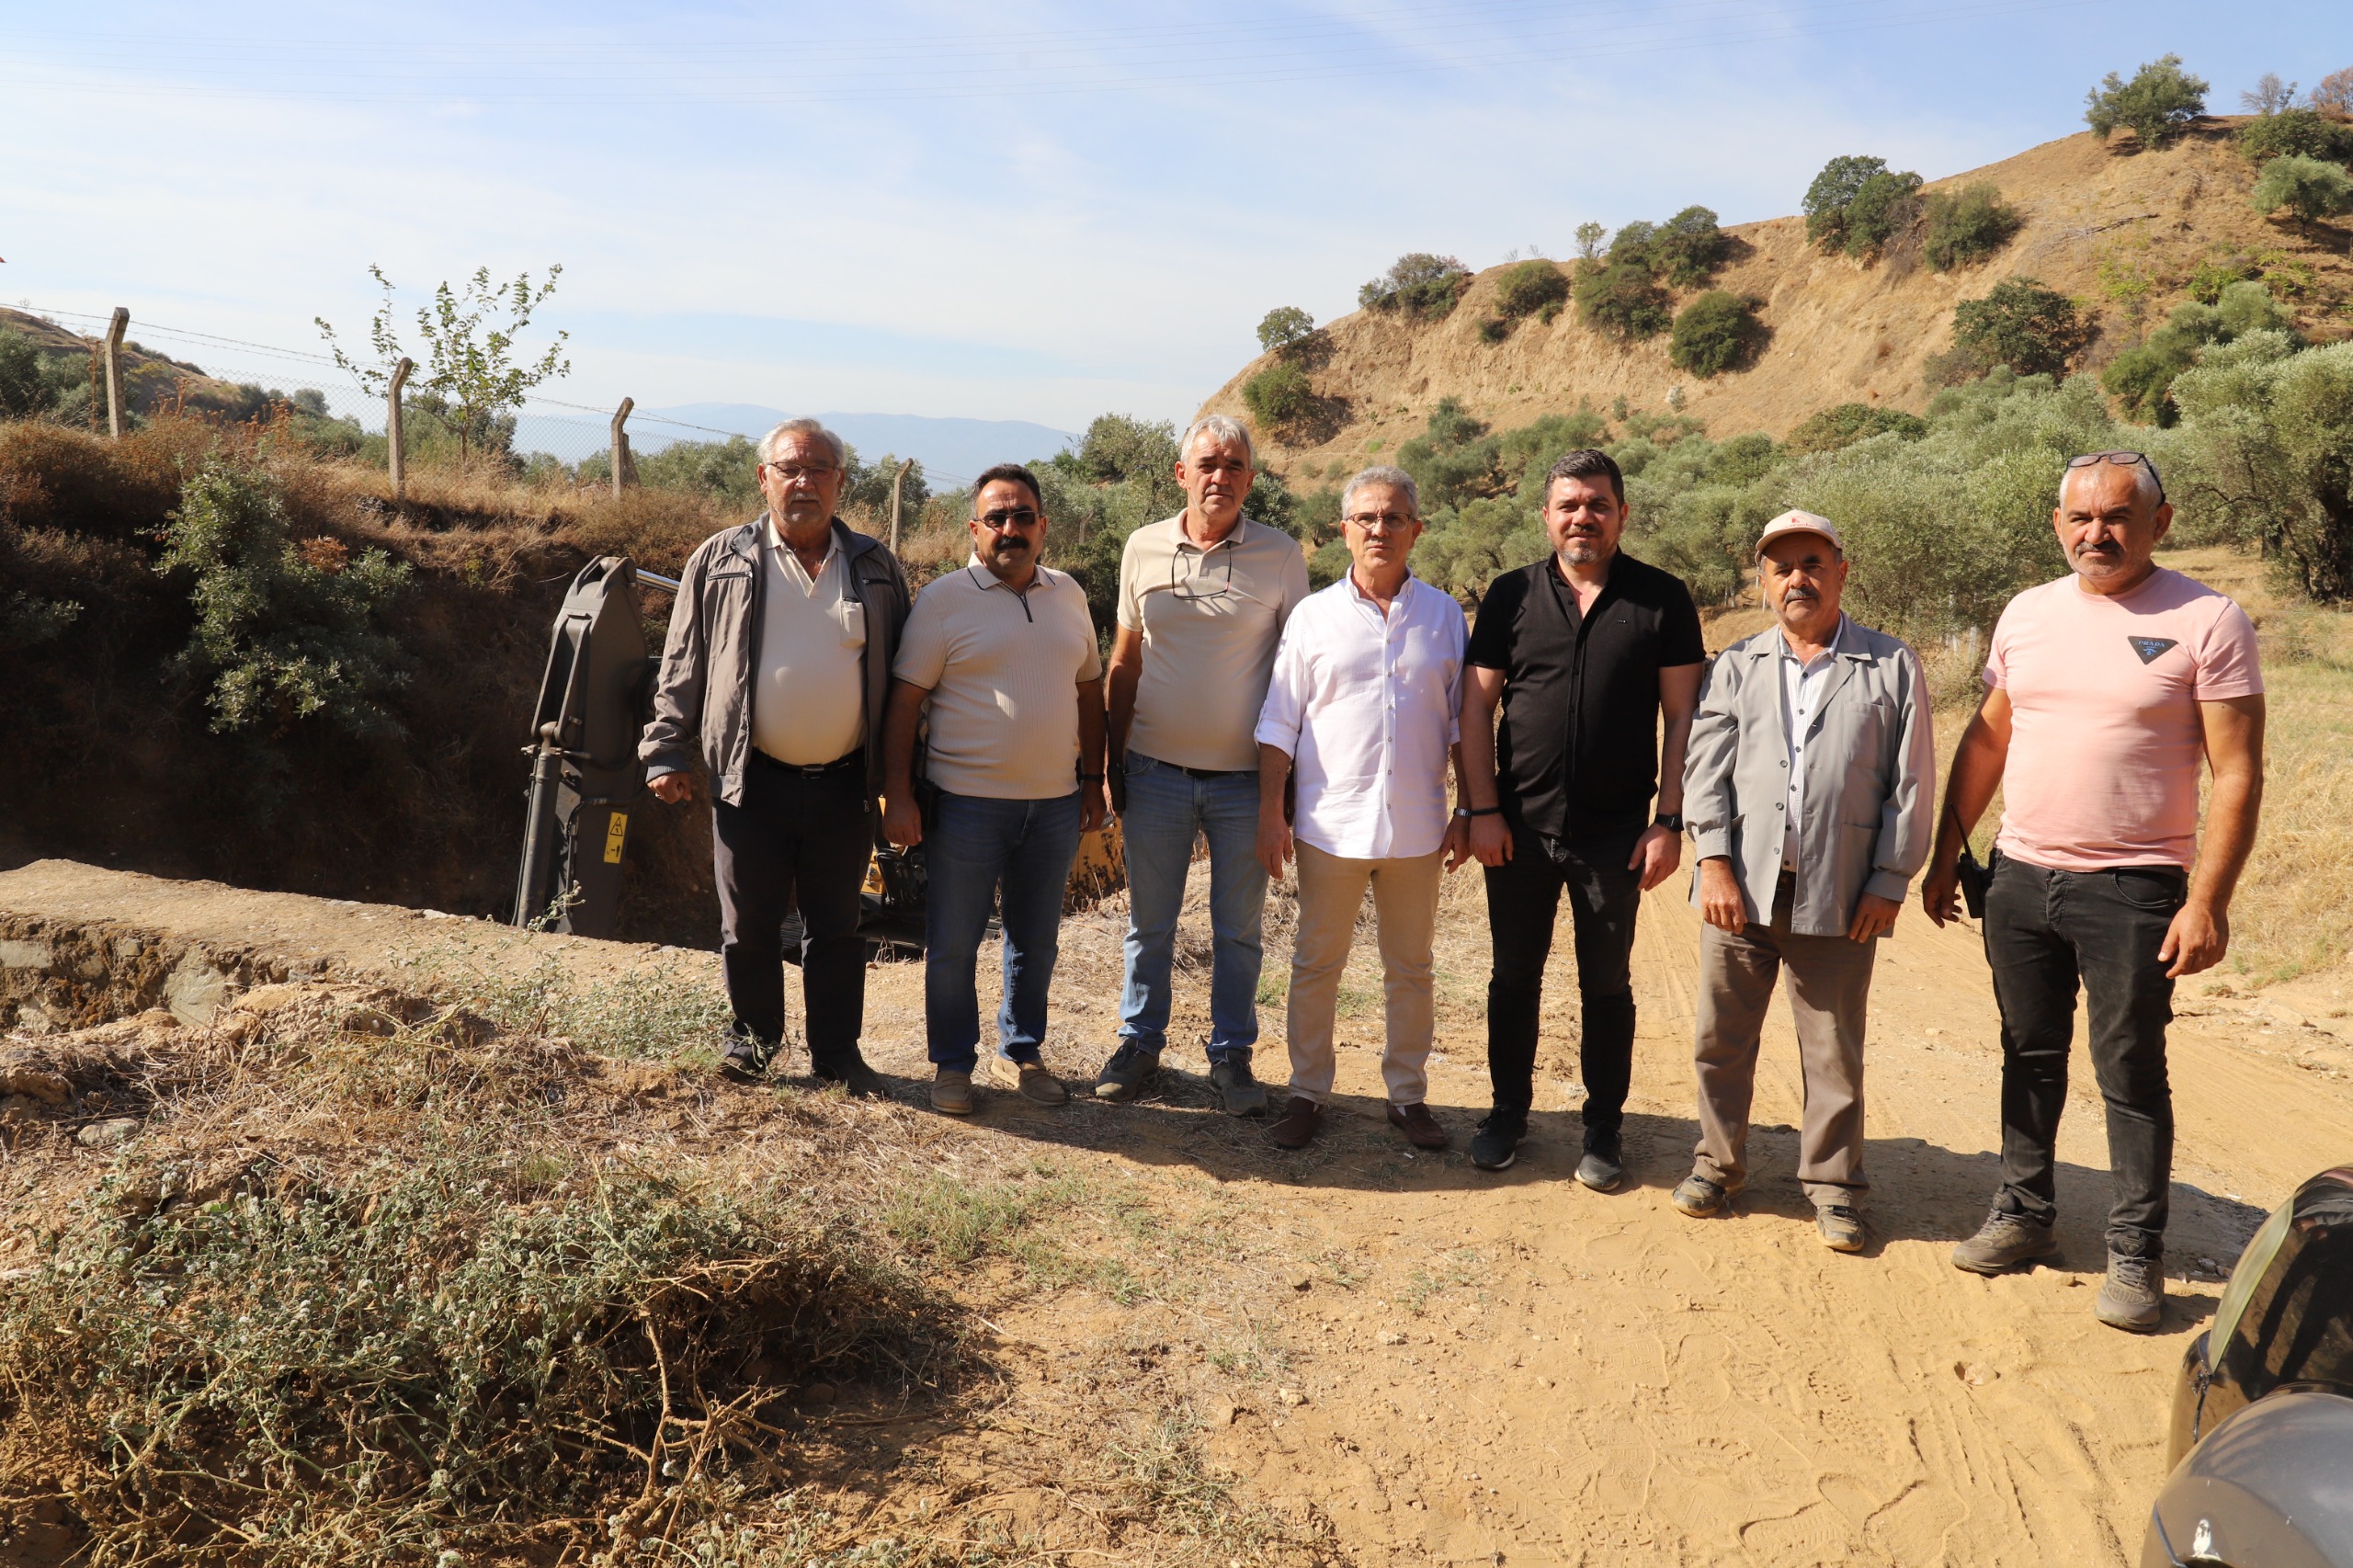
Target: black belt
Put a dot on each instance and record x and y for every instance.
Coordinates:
(812, 769)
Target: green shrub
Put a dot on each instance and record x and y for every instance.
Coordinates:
(1619, 298)
(1843, 425)
(1530, 286)
(2248, 307)
(285, 629)
(2031, 329)
(2265, 448)
(1831, 192)
(1689, 248)
(1714, 333)
(1495, 329)
(2213, 275)
(1419, 284)
(1278, 396)
(1967, 225)
(2306, 186)
(1454, 459)
(1283, 327)
(2296, 132)
(2156, 105)
(1886, 205)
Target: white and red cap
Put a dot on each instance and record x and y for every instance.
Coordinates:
(1796, 522)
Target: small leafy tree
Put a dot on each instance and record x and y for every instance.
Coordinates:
(286, 629)
(2031, 329)
(2269, 95)
(1589, 236)
(2305, 133)
(2306, 186)
(1528, 287)
(1690, 248)
(1619, 297)
(2334, 92)
(1118, 447)
(1283, 327)
(1278, 396)
(1967, 225)
(1886, 206)
(1713, 334)
(469, 358)
(25, 389)
(1831, 192)
(1422, 286)
(2158, 102)
(2270, 443)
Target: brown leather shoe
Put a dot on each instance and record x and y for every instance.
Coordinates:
(1297, 1125)
(1420, 1128)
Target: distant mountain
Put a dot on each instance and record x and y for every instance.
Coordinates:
(951, 450)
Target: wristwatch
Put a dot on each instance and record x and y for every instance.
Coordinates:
(1462, 813)
(1671, 820)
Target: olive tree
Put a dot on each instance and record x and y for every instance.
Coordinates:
(2156, 105)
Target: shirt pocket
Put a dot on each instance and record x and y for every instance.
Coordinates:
(850, 616)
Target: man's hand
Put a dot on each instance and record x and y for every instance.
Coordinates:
(1091, 812)
(1874, 916)
(902, 821)
(1457, 843)
(1274, 843)
(2196, 940)
(1656, 854)
(1115, 781)
(1720, 904)
(1940, 894)
(673, 788)
(1490, 840)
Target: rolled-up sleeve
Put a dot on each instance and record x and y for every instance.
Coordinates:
(1707, 796)
(1907, 820)
(1285, 709)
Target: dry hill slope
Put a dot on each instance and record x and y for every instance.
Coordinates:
(2100, 221)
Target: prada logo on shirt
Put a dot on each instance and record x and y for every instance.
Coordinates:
(2149, 648)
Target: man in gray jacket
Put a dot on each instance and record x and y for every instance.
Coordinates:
(773, 678)
(1807, 791)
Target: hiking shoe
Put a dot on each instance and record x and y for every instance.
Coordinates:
(1420, 1128)
(747, 1061)
(853, 1074)
(2134, 1296)
(1604, 1166)
(951, 1090)
(1496, 1143)
(1029, 1079)
(1126, 1076)
(1841, 1225)
(2004, 1242)
(1237, 1091)
(1698, 1197)
(1297, 1125)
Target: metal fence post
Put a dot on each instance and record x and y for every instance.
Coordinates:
(624, 467)
(115, 329)
(392, 426)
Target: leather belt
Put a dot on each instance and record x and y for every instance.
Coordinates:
(812, 770)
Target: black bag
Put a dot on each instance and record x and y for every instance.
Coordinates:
(1972, 878)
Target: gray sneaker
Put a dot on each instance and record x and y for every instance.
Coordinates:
(2004, 1240)
(1841, 1225)
(1604, 1165)
(1699, 1198)
(1127, 1074)
(2134, 1296)
(1237, 1091)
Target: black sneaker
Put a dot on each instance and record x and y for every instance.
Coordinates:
(1128, 1074)
(747, 1061)
(1496, 1143)
(853, 1074)
(1604, 1166)
(1237, 1091)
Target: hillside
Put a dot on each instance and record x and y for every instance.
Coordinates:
(2104, 224)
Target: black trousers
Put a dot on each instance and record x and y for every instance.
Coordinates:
(2046, 933)
(1523, 900)
(794, 840)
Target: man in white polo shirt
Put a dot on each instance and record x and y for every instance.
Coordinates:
(1363, 699)
(1203, 597)
(1002, 652)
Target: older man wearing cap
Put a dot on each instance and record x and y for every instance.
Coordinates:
(1808, 793)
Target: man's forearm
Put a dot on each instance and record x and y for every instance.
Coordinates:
(1976, 774)
(899, 721)
(1274, 772)
(1090, 728)
(1672, 754)
(1474, 758)
(1119, 687)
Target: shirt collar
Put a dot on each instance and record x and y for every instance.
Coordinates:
(774, 540)
(976, 569)
(1180, 540)
(1837, 645)
(1360, 597)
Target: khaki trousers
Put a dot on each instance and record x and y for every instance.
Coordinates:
(1830, 982)
(1405, 903)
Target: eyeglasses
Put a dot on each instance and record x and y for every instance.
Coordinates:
(793, 472)
(1380, 522)
(1015, 517)
(2123, 459)
(1212, 576)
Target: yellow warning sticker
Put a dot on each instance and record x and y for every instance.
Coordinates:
(616, 830)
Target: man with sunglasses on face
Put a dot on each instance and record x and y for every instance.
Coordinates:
(2104, 690)
(1002, 652)
(773, 677)
(1203, 597)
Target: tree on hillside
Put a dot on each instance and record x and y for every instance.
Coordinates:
(1858, 205)
(27, 387)
(1528, 287)
(2269, 95)
(469, 356)
(2156, 105)
(2305, 186)
(2269, 434)
(1713, 334)
(2031, 329)
(1690, 248)
(1832, 190)
(1619, 298)
(1282, 326)
(2299, 133)
(1423, 286)
(1843, 425)
(1279, 397)
(1120, 447)
(2334, 92)
(1589, 235)
(1967, 225)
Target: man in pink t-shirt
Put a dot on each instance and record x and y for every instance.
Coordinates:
(2104, 690)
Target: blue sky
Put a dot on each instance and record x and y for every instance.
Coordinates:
(1030, 210)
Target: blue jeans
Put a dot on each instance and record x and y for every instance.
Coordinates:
(1167, 809)
(1017, 854)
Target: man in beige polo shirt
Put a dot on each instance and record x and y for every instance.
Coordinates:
(1203, 597)
(1002, 652)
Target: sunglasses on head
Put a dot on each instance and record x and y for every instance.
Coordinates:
(2123, 459)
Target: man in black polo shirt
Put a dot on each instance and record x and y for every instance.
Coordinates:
(1583, 650)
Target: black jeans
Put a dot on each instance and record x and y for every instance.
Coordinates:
(1523, 899)
(794, 840)
(2046, 932)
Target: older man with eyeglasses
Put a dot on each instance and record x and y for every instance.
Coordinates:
(773, 678)
(2105, 689)
(1203, 598)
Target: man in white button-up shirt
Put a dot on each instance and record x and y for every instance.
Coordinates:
(1361, 709)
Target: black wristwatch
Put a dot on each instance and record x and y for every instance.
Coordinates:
(1671, 820)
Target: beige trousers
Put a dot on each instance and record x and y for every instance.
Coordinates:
(1404, 905)
(1830, 984)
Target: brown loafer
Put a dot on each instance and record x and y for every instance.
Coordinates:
(1420, 1128)
(1297, 1125)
